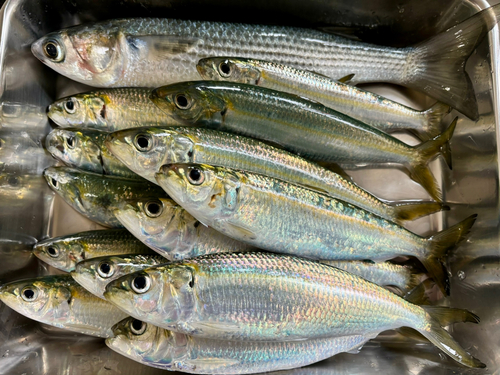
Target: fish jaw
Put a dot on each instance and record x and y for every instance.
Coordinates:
(122, 145)
(85, 276)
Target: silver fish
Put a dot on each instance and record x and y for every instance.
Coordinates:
(108, 110)
(299, 125)
(94, 274)
(171, 231)
(93, 195)
(370, 108)
(161, 348)
(86, 150)
(151, 52)
(273, 297)
(61, 302)
(66, 251)
(199, 145)
(280, 217)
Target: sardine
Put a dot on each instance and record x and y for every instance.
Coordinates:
(383, 273)
(370, 108)
(108, 110)
(94, 274)
(145, 150)
(273, 297)
(280, 217)
(171, 231)
(61, 302)
(161, 348)
(93, 195)
(66, 251)
(85, 149)
(301, 126)
(151, 52)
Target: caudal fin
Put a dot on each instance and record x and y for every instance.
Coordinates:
(424, 153)
(438, 64)
(411, 211)
(432, 121)
(439, 245)
(436, 334)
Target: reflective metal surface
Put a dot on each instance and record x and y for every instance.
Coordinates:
(29, 210)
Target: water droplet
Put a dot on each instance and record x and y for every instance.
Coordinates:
(447, 88)
(461, 275)
(402, 10)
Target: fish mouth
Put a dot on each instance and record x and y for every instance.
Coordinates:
(37, 50)
(170, 179)
(54, 142)
(120, 144)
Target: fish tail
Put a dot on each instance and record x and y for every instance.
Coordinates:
(432, 121)
(435, 333)
(411, 211)
(438, 64)
(439, 245)
(425, 152)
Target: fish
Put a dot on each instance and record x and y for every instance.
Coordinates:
(65, 252)
(108, 110)
(372, 109)
(93, 195)
(94, 274)
(168, 350)
(383, 273)
(171, 231)
(149, 52)
(61, 302)
(298, 125)
(200, 145)
(281, 217)
(275, 297)
(85, 149)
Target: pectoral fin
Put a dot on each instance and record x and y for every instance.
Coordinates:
(238, 232)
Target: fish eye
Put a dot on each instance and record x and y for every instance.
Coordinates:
(137, 327)
(53, 51)
(69, 105)
(140, 284)
(183, 101)
(225, 69)
(29, 293)
(195, 176)
(105, 269)
(153, 208)
(143, 142)
(70, 141)
(53, 251)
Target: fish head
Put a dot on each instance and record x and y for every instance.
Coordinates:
(161, 224)
(94, 274)
(229, 69)
(62, 254)
(204, 191)
(67, 183)
(162, 295)
(45, 299)
(145, 150)
(82, 110)
(93, 55)
(190, 102)
(146, 343)
(75, 148)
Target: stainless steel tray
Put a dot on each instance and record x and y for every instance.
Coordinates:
(29, 210)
